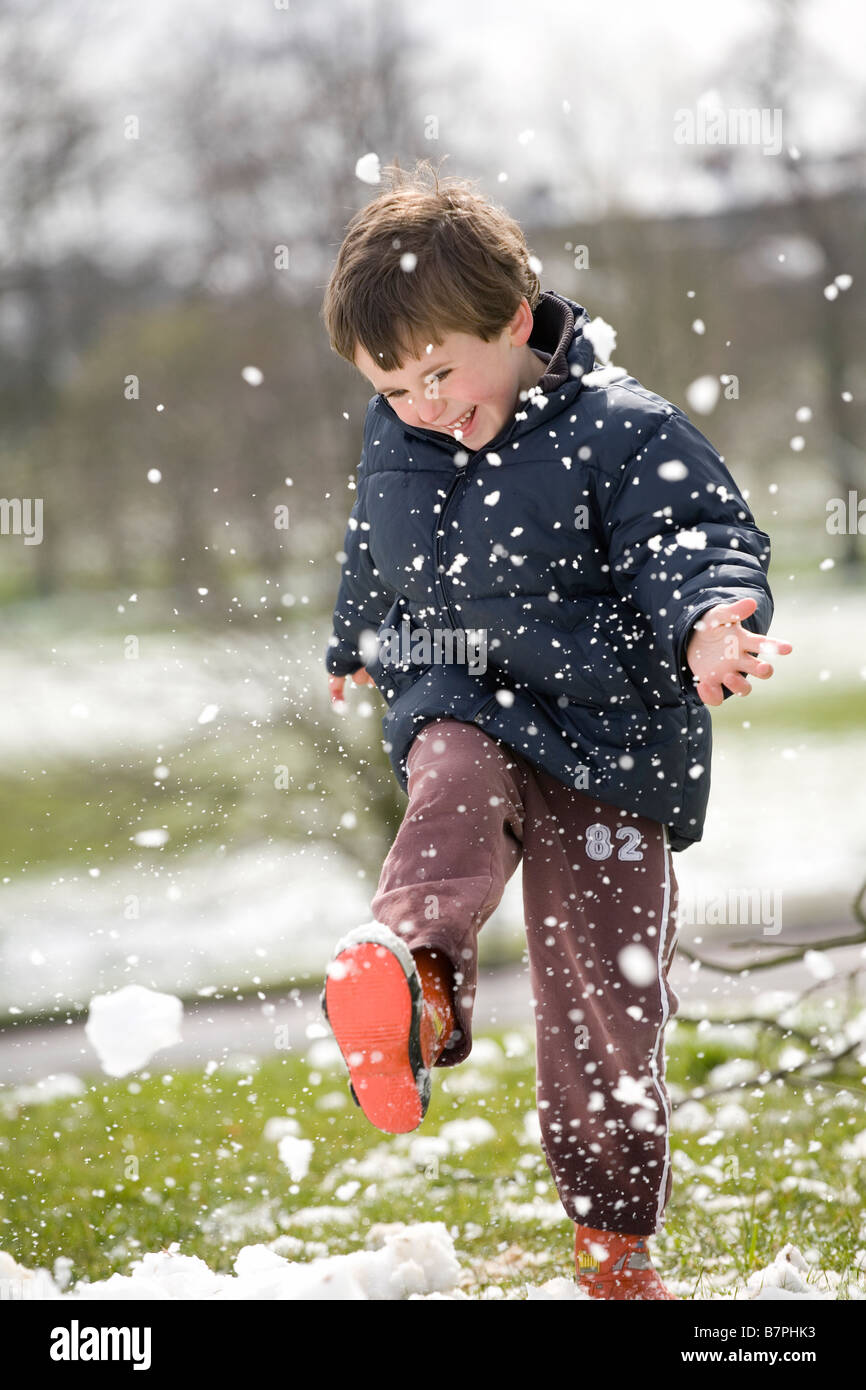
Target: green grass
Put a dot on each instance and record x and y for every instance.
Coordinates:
(824, 709)
(137, 1163)
(219, 791)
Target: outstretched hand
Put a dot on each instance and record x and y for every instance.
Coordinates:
(336, 684)
(720, 651)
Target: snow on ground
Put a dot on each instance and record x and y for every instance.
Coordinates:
(218, 919)
(78, 695)
(41, 1092)
(400, 1262)
(271, 913)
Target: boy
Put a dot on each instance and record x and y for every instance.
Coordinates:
(592, 538)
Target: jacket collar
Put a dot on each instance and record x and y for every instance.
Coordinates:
(557, 332)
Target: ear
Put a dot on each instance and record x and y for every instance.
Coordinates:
(520, 327)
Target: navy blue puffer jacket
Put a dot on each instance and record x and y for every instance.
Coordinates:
(630, 526)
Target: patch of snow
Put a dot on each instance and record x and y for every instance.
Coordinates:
(54, 1087)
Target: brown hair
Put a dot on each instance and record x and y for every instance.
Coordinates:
(470, 271)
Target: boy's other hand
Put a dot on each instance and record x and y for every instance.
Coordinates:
(720, 651)
(336, 683)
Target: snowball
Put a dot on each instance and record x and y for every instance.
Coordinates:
(692, 540)
(127, 1027)
(603, 338)
(151, 839)
(368, 169)
(631, 1090)
(703, 393)
(637, 964)
(295, 1154)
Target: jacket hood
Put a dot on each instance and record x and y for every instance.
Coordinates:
(557, 334)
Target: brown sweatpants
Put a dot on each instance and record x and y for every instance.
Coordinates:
(600, 899)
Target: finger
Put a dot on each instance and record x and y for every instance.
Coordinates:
(730, 612)
(716, 618)
(710, 692)
(761, 669)
(737, 684)
(765, 646)
(335, 689)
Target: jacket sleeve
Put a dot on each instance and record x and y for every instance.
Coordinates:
(363, 598)
(682, 539)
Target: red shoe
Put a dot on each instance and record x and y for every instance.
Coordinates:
(612, 1265)
(390, 1013)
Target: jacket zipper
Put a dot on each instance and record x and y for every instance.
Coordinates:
(440, 541)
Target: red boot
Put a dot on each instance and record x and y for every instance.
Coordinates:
(612, 1265)
(391, 1014)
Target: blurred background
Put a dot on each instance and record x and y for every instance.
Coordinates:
(182, 808)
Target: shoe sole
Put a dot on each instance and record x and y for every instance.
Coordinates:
(372, 1000)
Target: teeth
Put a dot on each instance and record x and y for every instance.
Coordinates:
(458, 423)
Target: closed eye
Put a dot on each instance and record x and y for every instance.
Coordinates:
(391, 395)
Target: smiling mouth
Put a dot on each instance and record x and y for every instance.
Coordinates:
(463, 424)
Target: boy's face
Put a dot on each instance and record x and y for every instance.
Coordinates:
(467, 388)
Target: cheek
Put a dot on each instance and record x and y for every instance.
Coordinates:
(475, 389)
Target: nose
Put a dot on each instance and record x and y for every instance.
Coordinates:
(427, 408)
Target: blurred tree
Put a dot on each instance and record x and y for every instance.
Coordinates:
(48, 131)
(779, 69)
